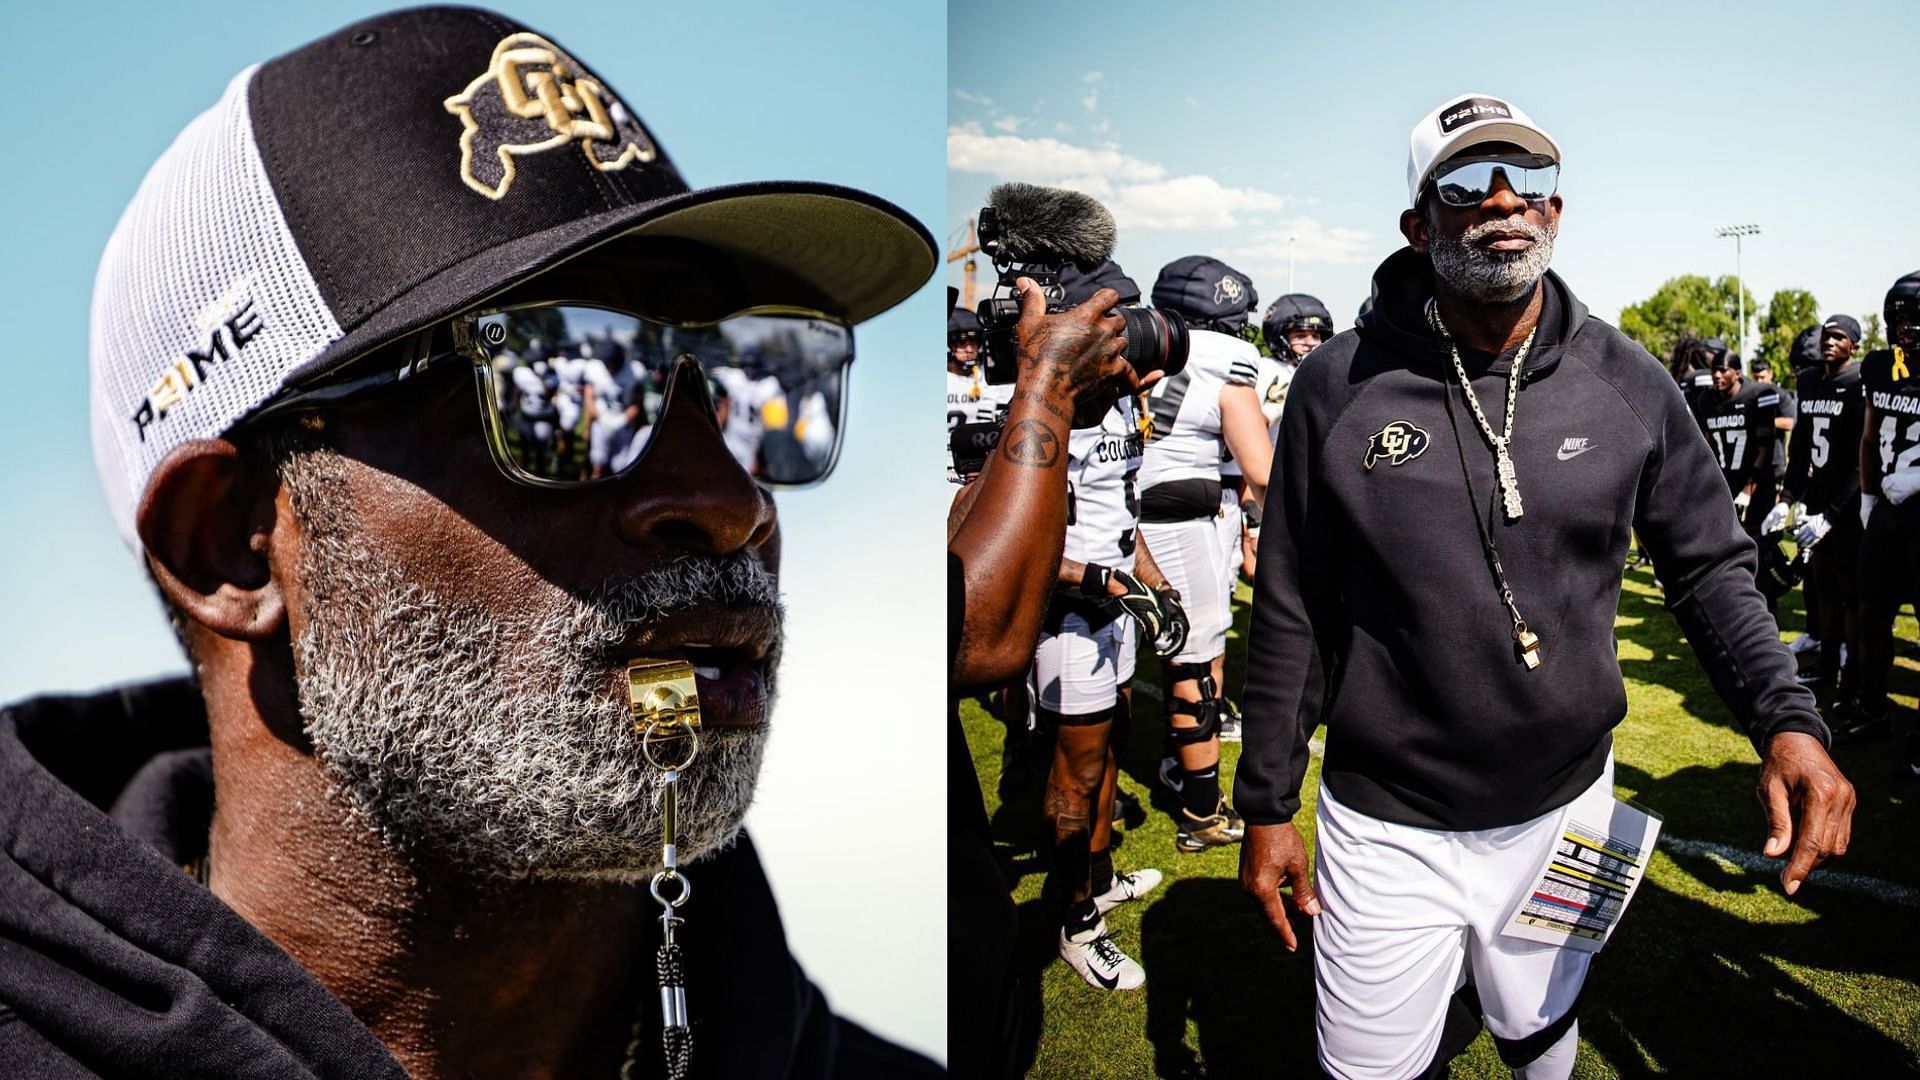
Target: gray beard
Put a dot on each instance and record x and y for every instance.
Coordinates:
(1491, 277)
(489, 742)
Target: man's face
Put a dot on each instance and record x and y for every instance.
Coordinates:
(1904, 334)
(963, 351)
(1836, 347)
(1300, 342)
(1493, 251)
(461, 640)
(1762, 374)
(1726, 378)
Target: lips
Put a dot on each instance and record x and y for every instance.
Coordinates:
(733, 651)
(1505, 240)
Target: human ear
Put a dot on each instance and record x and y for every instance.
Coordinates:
(206, 520)
(1413, 226)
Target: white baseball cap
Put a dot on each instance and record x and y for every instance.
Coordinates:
(1469, 120)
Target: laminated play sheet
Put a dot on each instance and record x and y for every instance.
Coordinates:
(1590, 873)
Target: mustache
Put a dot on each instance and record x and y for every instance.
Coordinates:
(621, 609)
(1515, 224)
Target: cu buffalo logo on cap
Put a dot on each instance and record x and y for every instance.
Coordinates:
(533, 98)
(1399, 442)
(1472, 110)
(1229, 290)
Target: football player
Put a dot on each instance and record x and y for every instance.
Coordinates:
(1822, 498)
(1738, 418)
(1208, 408)
(1889, 479)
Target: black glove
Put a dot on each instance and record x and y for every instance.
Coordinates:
(1173, 631)
(1250, 516)
(1137, 601)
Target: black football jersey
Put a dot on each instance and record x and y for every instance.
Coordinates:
(1740, 431)
(1823, 457)
(1892, 381)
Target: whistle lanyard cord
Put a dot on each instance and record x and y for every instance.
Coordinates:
(1487, 546)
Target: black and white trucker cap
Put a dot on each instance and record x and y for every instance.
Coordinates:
(395, 173)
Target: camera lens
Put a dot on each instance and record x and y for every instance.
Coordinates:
(1156, 340)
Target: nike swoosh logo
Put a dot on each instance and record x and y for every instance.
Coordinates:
(1565, 455)
(1111, 984)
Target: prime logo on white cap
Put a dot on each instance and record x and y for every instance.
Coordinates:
(1465, 121)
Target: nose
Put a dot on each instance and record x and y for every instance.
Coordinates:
(1502, 200)
(687, 494)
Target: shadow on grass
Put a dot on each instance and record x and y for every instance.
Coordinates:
(1213, 962)
(1693, 990)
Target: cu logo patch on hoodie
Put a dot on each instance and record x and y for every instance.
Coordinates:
(1399, 442)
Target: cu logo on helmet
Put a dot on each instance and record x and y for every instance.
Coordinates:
(1228, 290)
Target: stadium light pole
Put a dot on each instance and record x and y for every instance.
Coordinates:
(1740, 287)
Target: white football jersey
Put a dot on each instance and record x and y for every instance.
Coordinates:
(745, 397)
(971, 400)
(1103, 508)
(1186, 443)
(1271, 383)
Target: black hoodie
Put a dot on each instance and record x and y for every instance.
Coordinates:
(114, 962)
(1375, 609)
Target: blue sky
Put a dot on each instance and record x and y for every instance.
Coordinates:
(849, 92)
(1224, 128)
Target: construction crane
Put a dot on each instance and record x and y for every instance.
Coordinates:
(964, 243)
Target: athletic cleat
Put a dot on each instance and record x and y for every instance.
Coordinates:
(1170, 774)
(1127, 887)
(1815, 677)
(1805, 643)
(1222, 827)
(1092, 953)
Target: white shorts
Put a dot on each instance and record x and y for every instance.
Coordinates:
(1228, 524)
(1188, 552)
(1407, 917)
(1080, 671)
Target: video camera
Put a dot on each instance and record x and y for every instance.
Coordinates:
(1034, 232)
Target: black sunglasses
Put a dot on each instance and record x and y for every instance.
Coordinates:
(570, 392)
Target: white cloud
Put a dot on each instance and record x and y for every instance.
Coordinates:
(1042, 160)
(981, 100)
(1140, 193)
(1188, 202)
(1008, 124)
(1314, 241)
(1105, 125)
(1062, 126)
(1092, 77)
(1091, 99)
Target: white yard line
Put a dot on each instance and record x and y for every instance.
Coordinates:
(1732, 858)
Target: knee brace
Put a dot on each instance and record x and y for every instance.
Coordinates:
(1200, 673)
(1207, 711)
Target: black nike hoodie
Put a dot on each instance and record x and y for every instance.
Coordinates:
(114, 962)
(1376, 611)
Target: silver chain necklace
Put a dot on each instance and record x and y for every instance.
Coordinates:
(1502, 443)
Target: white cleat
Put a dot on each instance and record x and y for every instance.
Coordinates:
(1092, 953)
(1805, 643)
(1127, 887)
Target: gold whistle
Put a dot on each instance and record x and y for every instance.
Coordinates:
(666, 711)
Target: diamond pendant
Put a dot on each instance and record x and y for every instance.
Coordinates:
(1509, 484)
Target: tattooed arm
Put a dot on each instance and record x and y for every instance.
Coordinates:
(1009, 527)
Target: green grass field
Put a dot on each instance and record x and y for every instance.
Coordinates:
(1714, 972)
